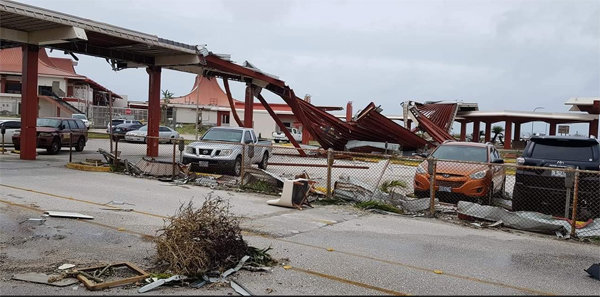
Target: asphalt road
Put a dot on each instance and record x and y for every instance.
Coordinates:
(332, 250)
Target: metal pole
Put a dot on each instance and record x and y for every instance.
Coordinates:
(110, 132)
(116, 152)
(567, 202)
(3, 143)
(243, 162)
(329, 166)
(174, 144)
(575, 192)
(70, 146)
(381, 176)
(198, 102)
(432, 187)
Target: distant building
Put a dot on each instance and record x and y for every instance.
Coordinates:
(61, 91)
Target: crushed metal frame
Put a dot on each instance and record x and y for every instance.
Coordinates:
(93, 286)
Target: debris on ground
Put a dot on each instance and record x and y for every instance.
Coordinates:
(294, 194)
(66, 266)
(34, 220)
(160, 282)
(525, 220)
(594, 271)
(118, 202)
(111, 275)
(153, 167)
(43, 278)
(63, 214)
(253, 175)
(197, 241)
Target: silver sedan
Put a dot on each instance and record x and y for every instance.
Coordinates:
(165, 134)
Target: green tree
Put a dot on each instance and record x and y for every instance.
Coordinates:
(166, 94)
(497, 130)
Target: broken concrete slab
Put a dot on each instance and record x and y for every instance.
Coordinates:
(63, 214)
(42, 278)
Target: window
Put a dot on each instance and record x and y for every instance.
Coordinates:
(461, 153)
(73, 125)
(223, 135)
(80, 124)
(224, 119)
(164, 129)
(247, 137)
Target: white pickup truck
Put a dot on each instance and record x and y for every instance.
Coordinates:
(280, 136)
(220, 148)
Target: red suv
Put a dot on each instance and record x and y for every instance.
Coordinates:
(54, 133)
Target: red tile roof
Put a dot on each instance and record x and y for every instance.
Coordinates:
(11, 60)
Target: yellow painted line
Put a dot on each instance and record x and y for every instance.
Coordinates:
(151, 237)
(80, 200)
(143, 235)
(536, 292)
(436, 271)
(351, 282)
(88, 167)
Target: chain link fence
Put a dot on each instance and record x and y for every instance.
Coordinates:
(564, 201)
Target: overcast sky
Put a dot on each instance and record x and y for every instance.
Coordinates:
(501, 54)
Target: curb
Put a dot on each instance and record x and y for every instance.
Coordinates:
(88, 167)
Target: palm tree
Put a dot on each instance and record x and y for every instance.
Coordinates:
(497, 130)
(167, 95)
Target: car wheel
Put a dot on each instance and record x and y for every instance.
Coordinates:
(237, 166)
(265, 160)
(172, 140)
(17, 147)
(276, 140)
(80, 144)
(54, 147)
(500, 193)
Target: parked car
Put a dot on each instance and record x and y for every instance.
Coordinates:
(116, 122)
(545, 190)
(165, 134)
(120, 130)
(220, 149)
(9, 127)
(280, 136)
(54, 133)
(475, 181)
(83, 118)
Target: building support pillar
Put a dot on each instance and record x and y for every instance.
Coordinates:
(153, 110)
(507, 135)
(249, 107)
(463, 130)
(475, 131)
(29, 102)
(349, 112)
(2, 84)
(552, 131)
(594, 128)
(517, 131)
(488, 131)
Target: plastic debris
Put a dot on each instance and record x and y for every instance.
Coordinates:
(66, 266)
(42, 278)
(63, 214)
(594, 271)
(159, 283)
(240, 289)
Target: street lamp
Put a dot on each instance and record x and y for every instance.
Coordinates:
(532, 121)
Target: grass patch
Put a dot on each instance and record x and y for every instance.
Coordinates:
(261, 186)
(385, 186)
(378, 205)
(96, 135)
(191, 129)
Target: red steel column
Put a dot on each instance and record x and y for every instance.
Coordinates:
(517, 131)
(463, 131)
(594, 128)
(248, 107)
(29, 102)
(349, 112)
(408, 124)
(153, 110)
(475, 131)
(488, 131)
(552, 128)
(2, 84)
(507, 134)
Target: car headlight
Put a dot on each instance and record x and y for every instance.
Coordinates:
(421, 170)
(478, 174)
(190, 150)
(225, 152)
(45, 134)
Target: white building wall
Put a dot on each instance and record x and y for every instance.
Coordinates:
(9, 104)
(47, 81)
(261, 121)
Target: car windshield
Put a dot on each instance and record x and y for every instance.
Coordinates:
(567, 151)
(223, 135)
(53, 123)
(461, 153)
(79, 116)
(116, 122)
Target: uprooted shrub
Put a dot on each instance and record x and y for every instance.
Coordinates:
(196, 241)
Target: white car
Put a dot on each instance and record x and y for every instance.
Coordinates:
(83, 118)
(10, 126)
(165, 134)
